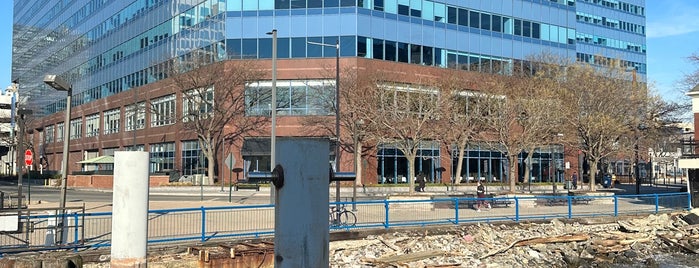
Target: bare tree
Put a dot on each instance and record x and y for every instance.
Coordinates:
(404, 116)
(527, 116)
(214, 101)
(691, 80)
(354, 137)
(604, 110)
(462, 114)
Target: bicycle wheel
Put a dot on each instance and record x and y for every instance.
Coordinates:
(347, 218)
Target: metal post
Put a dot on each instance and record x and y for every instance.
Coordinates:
(273, 141)
(337, 117)
(64, 167)
(635, 167)
(20, 162)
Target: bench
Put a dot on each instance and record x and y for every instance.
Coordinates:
(499, 202)
(246, 185)
(580, 199)
(557, 201)
(563, 200)
(252, 183)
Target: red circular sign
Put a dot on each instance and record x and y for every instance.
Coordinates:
(28, 157)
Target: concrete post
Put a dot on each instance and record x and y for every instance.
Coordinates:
(301, 204)
(130, 209)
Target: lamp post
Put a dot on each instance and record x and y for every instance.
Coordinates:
(337, 110)
(59, 84)
(273, 139)
(636, 170)
(21, 113)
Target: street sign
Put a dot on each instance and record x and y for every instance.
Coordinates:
(230, 161)
(28, 157)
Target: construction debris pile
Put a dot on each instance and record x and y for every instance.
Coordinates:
(624, 242)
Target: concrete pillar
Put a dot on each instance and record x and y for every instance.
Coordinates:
(301, 204)
(130, 209)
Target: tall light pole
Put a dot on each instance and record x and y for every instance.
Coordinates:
(337, 110)
(636, 169)
(22, 123)
(273, 139)
(59, 84)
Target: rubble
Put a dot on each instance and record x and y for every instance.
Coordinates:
(638, 241)
(558, 243)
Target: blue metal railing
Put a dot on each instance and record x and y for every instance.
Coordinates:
(208, 223)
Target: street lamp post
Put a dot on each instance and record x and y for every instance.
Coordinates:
(21, 113)
(337, 111)
(273, 139)
(59, 84)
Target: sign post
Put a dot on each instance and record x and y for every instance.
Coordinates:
(28, 159)
(230, 162)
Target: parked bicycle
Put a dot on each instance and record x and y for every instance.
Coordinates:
(341, 217)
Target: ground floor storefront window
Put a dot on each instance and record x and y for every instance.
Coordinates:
(393, 165)
(545, 164)
(480, 163)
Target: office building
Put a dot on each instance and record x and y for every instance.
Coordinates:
(115, 54)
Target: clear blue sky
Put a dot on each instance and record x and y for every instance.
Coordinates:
(672, 32)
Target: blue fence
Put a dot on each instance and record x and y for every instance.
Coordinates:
(203, 224)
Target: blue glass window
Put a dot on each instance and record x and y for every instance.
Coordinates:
(536, 33)
(314, 51)
(330, 51)
(427, 55)
(315, 3)
(298, 4)
(348, 3)
(348, 46)
(390, 51)
(377, 51)
(378, 5)
(281, 4)
(233, 48)
(403, 52)
(361, 46)
(266, 48)
(485, 21)
(463, 17)
(298, 47)
(331, 3)
(497, 23)
(283, 48)
(249, 48)
(527, 28)
(452, 15)
(474, 19)
(415, 54)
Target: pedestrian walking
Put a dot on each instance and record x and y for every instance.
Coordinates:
(575, 180)
(421, 180)
(480, 193)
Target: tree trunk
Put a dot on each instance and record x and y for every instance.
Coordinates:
(527, 167)
(513, 172)
(210, 168)
(459, 165)
(411, 167)
(593, 171)
(358, 162)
